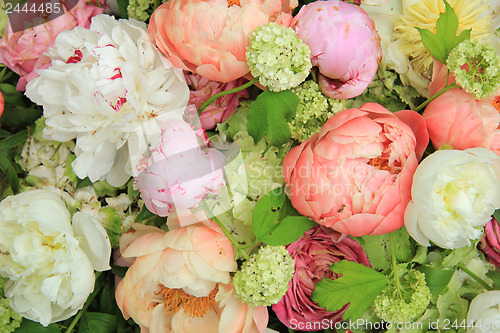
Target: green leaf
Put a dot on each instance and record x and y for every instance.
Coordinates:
(14, 140)
(359, 285)
(83, 183)
(495, 277)
(122, 6)
(436, 279)
(119, 271)
(144, 214)
(276, 222)
(496, 215)
(269, 115)
(95, 322)
(28, 326)
(8, 168)
(445, 39)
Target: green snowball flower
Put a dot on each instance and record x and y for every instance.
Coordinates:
(9, 319)
(402, 305)
(278, 57)
(313, 110)
(476, 68)
(263, 280)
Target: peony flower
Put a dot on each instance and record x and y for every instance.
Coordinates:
(201, 89)
(459, 121)
(179, 172)
(109, 88)
(490, 242)
(180, 282)
(313, 253)
(2, 104)
(23, 51)
(344, 45)
(454, 194)
(210, 37)
(484, 313)
(47, 255)
(355, 175)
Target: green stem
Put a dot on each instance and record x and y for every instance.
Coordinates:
(475, 277)
(224, 230)
(226, 92)
(82, 311)
(436, 95)
(395, 265)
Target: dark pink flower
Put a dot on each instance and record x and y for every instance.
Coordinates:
(313, 253)
(490, 242)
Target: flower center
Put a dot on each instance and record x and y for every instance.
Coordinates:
(175, 299)
(233, 2)
(380, 163)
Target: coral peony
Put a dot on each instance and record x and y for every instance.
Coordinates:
(23, 51)
(209, 37)
(355, 175)
(179, 282)
(344, 45)
(313, 253)
(459, 121)
(179, 172)
(490, 242)
(201, 89)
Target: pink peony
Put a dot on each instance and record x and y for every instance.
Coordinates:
(2, 104)
(217, 112)
(457, 120)
(180, 170)
(344, 45)
(313, 253)
(179, 282)
(209, 37)
(23, 51)
(490, 242)
(355, 175)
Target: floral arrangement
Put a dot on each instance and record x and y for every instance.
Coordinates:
(250, 166)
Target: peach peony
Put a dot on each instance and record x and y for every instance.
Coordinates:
(23, 51)
(457, 120)
(180, 282)
(209, 37)
(355, 175)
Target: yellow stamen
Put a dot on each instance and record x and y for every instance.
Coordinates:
(233, 2)
(175, 299)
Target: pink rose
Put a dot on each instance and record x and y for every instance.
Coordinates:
(344, 45)
(490, 242)
(23, 51)
(202, 89)
(209, 37)
(355, 175)
(459, 121)
(180, 170)
(180, 282)
(313, 253)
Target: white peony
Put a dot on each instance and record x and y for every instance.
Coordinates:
(48, 260)
(454, 194)
(484, 313)
(110, 88)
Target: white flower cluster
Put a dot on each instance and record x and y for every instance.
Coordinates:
(109, 88)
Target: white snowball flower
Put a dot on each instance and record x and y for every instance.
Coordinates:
(484, 313)
(454, 193)
(48, 260)
(110, 88)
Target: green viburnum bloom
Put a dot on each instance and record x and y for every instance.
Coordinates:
(9, 319)
(404, 305)
(476, 67)
(278, 57)
(263, 279)
(313, 110)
